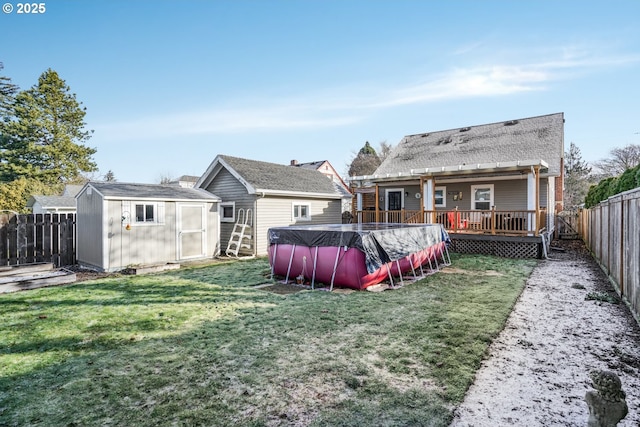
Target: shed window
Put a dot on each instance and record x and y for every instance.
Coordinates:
(228, 212)
(145, 213)
(301, 211)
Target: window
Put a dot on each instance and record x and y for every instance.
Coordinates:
(143, 212)
(302, 212)
(482, 197)
(441, 197)
(228, 212)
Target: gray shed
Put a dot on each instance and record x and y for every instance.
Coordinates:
(120, 225)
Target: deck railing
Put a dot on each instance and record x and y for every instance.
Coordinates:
(508, 222)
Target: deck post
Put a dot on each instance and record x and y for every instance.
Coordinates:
(493, 220)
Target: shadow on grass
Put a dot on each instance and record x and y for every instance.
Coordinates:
(234, 355)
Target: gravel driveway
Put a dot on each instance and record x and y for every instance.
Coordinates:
(536, 373)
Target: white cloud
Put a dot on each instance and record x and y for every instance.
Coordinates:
(328, 109)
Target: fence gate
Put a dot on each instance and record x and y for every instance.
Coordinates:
(29, 238)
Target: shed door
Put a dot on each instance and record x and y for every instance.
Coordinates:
(191, 227)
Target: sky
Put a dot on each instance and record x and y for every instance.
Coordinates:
(168, 85)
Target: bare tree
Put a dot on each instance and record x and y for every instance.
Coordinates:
(619, 160)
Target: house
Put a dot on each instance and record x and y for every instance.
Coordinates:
(186, 181)
(120, 225)
(262, 195)
(501, 179)
(63, 204)
(327, 169)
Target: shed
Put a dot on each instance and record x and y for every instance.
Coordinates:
(120, 225)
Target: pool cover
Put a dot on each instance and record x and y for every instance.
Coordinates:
(379, 244)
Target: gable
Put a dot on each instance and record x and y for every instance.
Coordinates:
(535, 138)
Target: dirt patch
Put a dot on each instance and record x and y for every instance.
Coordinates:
(284, 288)
(536, 373)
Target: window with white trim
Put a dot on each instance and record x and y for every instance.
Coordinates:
(482, 197)
(145, 212)
(228, 212)
(301, 211)
(441, 197)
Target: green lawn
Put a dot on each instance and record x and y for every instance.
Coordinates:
(203, 346)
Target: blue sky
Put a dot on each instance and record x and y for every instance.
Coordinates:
(168, 85)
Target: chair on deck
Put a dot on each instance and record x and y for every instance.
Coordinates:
(455, 219)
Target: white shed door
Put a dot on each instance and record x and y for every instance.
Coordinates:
(192, 231)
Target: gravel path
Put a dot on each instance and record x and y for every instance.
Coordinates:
(536, 373)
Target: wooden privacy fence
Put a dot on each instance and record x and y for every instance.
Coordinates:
(29, 238)
(611, 231)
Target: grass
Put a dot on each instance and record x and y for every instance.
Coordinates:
(203, 346)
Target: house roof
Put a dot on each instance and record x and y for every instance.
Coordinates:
(188, 178)
(52, 202)
(533, 138)
(273, 178)
(71, 190)
(309, 165)
(120, 190)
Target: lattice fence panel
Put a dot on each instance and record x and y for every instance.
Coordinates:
(497, 248)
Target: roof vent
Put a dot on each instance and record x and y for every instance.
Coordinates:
(511, 123)
(444, 140)
(424, 135)
(465, 129)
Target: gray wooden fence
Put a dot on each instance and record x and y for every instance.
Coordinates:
(611, 230)
(30, 238)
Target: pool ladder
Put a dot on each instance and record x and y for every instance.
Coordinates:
(241, 235)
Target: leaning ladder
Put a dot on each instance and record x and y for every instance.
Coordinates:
(241, 235)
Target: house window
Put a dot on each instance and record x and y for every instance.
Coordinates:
(148, 213)
(228, 212)
(301, 212)
(441, 197)
(482, 197)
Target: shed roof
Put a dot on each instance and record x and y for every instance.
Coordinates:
(121, 190)
(530, 138)
(273, 178)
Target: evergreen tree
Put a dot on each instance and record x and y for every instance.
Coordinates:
(365, 162)
(576, 177)
(43, 137)
(110, 176)
(7, 92)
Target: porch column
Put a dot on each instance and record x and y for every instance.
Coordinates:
(358, 201)
(377, 214)
(531, 197)
(428, 197)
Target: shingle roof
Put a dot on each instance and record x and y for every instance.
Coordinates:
(310, 165)
(71, 190)
(266, 176)
(534, 138)
(50, 202)
(151, 191)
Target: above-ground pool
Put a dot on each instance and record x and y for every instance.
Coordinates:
(354, 255)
